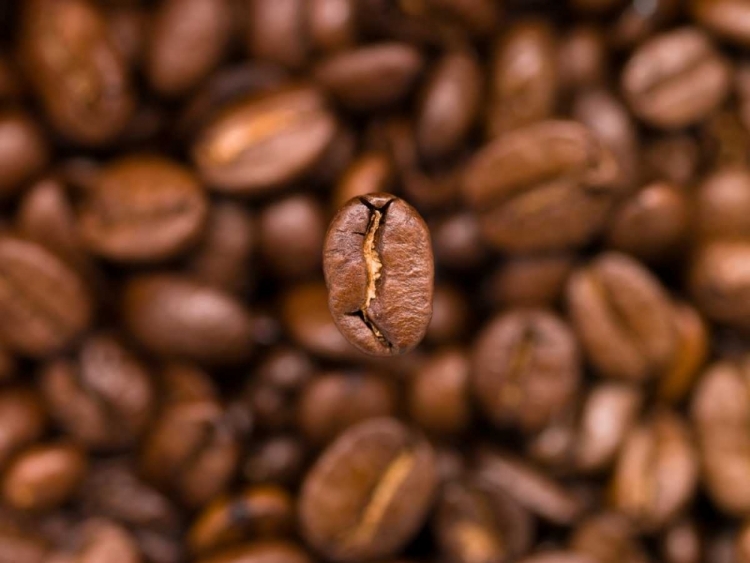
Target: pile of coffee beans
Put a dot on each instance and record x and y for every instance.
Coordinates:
(374, 281)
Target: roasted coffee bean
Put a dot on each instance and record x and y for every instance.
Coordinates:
(105, 399)
(682, 543)
(674, 158)
(719, 281)
(477, 522)
(368, 493)
(657, 471)
(449, 106)
(98, 541)
(622, 315)
(529, 280)
(439, 393)
(378, 266)
(143, 208)
(22, 418)
(261, 513)
(526, 203)
(720, 413)
(264, 141)
(671, 90)
(276, 31)
(523, 79)
(291, 233)
(730, 19)
(128, 27)
(23, 150)
(372, 172)
(692, 350)
(43, 477)
(450, 315)
(558, 556)
(525, 369)
(75, 69)
(44, 303)
(279, 460)
(260, 552)
(188, 40)
(530, 488)
(333, 402)
(332, 24)
(458, 242)
(370, 77)
(18, 545)
(176, 317)
(722, 204)
(582, 59)
(608, 538)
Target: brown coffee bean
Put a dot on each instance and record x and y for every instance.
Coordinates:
(265, 512)
(657, 471)
(44, 304)
(142, 208)
(98, 541)
(378, 266)
(558, 556)
(368, 493)
(371, 172)
(608, 538)
(672, 91)
(722, 204)
(682, 543)
(224, 257)
(291, 236)
(719, 281)
(720, 412)
(333, 402)
(582, 58)
(674, 158)
(457, 241)
(260, 552)
(188, 40)
(525, 369)
(439, 393)
(22, 419)
(477, 522)
(279, 460)
(332, 24)
(276, 31)
(623, 316)
(43, 477)
(527, 203)
(607, 416)
(264, 141)
(652, 224)
(18, 545)
(450, 312)
(450, 104)
(105, 399)
(176, 317)
(23, 150)
(75, 69)
(633, 25)
(730, 19)
(523, 78)
(530, 488)
(530, 280)
(372, 76)
(128, 28)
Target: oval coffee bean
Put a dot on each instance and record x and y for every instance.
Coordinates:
(528, 203)
(729, 19)
(676, 79)
(44, 304)
(23, 150)
(142, 208)
(264, 142)
(76, 69)
(378, 266)
(260, 552)
(176, 317)
(368, 493)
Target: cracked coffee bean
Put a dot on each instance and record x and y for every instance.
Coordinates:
(378, 266)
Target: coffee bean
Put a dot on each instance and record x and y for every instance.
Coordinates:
(75, 69)
(370, 77)
(582, 58)
(608, 537)
(23, 150)
(276, 31)
(657, 471)
(525, 369)
(333, 24)
(176, 317)
(246, 148)
(143, 209)
(99, 541)
(450, 312)
(529, 280)
(279, 460)
(265, 512)
(23, 419)
(682, 543)
(553, 556)
(370, 173)
(622, 315)
(722, 200)
(526, 203)
(260, 552)
(477, 522)
(368, 493)
(378, 266)
(105, 399)
(44, 304)
(730, 19)
(43, 477)
(672, 91)
(198, 27)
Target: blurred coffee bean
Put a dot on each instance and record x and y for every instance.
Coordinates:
(457, 241)
(674, 158)
(98, 541)
(174, 316)
(368, 493)
(75, 69)
(332, 24)
(682, 543)
(622, 314)
(278, 460)
(526, 203)
(670, 90)
(525, 368)
(692, 351)
(369, 173)
(582, 59)
(276, 31)
(260, 552)
(722, 203)
(608, 538)
(23, 420)
(24, 150)
(729, 19)
(450, 310)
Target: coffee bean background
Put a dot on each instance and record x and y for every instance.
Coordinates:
(374, 281)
